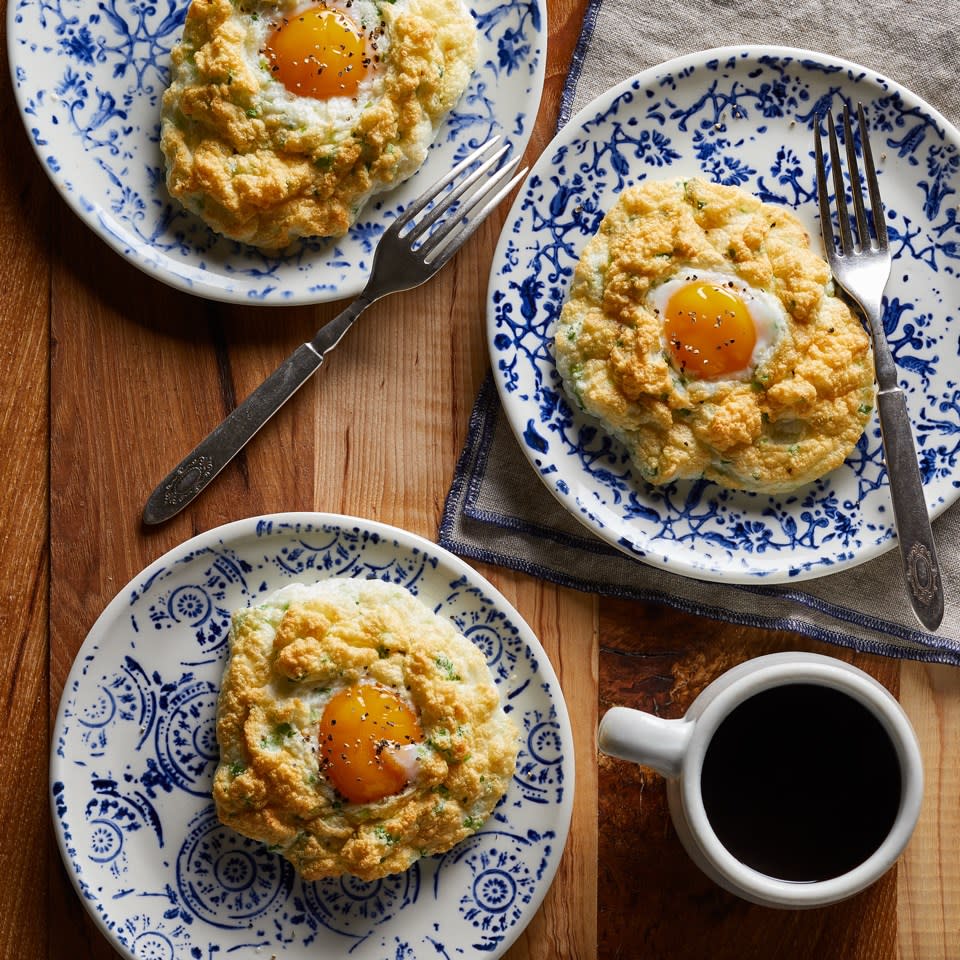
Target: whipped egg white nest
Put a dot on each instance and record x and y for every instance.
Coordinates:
(358, 730)
(703, 332)
(283, 117)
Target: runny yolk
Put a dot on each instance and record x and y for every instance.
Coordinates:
(362, 731)
(710, 331)
(318, 53)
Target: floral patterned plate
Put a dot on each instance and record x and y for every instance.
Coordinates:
(743, 116)
(89, 77)
(134, 752)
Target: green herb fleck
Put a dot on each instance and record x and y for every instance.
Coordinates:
(280, 733)
(446, 665)
(445, 748)
(384, 835)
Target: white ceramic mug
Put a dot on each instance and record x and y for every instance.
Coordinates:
(679, 748)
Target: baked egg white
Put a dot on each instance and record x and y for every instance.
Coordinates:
(358, 730)
(704, 333)
(283, 118)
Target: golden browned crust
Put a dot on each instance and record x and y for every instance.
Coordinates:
(262, 166)
(805, 405)
(294, 651)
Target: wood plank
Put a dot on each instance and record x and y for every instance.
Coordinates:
(565, 622)
(928, 904)
(25, 201)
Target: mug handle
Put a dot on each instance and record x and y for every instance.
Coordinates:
(643, 738)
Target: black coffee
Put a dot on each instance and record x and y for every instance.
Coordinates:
(801, 782)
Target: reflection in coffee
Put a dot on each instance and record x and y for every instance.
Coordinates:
(801, 782)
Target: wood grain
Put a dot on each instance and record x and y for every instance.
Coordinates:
(109, 377)
(928, 903)
(25, 201)
(565, 621)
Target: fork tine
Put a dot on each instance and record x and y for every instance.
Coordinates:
(876, 204)
(480, 193)
(823, 196)
(843, 217)
(434, 190)
(422, 226)
(856, 188)
(455, 238)
(476, 195)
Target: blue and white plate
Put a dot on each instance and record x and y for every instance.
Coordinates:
(89, 77)
(134, 752)
(742, 116)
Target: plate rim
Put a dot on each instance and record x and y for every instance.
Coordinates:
(94, 216)
(646, 78)
(247, 527)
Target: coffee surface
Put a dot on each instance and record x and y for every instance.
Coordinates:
(801, 782)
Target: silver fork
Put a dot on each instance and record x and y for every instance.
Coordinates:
(861, 265)
(404, 258)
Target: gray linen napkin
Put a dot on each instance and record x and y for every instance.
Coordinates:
(498, 511)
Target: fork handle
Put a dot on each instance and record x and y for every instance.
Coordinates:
(192, 475)
(918, 552)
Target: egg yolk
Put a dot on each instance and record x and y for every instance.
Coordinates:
(362, 730)
(710, 331)
(318, 53)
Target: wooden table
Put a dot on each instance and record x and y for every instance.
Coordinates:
(109, 377)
